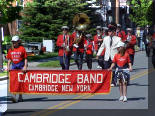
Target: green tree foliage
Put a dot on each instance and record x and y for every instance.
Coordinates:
(139, 12)
(8, 12)
(44, 18)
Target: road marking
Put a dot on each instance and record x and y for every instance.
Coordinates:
(55, 106)
(69, 103)
(141, 74)
(66, 102)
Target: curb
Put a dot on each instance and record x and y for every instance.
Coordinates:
(4, 78)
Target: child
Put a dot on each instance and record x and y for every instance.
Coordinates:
(122, 61)
(88, 45)
(17, 56)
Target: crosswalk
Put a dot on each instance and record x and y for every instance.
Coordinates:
(3, 95)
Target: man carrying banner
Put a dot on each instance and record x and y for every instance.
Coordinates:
(78, 47)
(109, 44)
(64, 42)
(98, 39)
(17, 56)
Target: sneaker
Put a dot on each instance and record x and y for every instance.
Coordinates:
(121, 98)
(112, 85)
(20, 99)
(14, 100)
(125, 99)
(99, 67)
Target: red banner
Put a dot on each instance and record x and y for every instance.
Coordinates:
(60, 82)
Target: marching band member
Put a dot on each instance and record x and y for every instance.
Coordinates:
(98, 39)
(105, 31)
(78, 47)
(17, 56)
(89, 50)
(130, 42)
(64, 42)
(120, 33)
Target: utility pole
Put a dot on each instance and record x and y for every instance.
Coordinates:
(117, 12)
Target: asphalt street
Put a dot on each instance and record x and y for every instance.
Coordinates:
(36, 105)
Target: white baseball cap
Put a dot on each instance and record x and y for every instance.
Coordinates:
(129, 29)
(15, 38)
(120, 44)
(65, 27)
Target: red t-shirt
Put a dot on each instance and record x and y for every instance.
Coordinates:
(17, 55)
(121, 60)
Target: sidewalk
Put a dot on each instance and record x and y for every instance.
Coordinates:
(35, 63)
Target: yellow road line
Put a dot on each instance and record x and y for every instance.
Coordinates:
(141, 74)
(74, 102)
(65, 102)
(69, 103)
(55, 106)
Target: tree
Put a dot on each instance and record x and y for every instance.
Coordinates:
(8, 13)
(44, 18)
(139, 12)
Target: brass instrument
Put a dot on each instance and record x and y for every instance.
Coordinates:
(66, 43)
(80, 22)
(67, 46)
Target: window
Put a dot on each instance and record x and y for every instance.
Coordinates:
(19, 22)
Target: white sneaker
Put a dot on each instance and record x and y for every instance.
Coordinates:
(112, 85)
(121, 98)
(125, 99)
(99, 66)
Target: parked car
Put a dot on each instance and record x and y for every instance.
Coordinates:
(33, 48)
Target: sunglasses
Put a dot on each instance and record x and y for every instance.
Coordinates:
(14, 42)
(65, 29)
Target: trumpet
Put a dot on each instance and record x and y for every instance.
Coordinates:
(67, 45)
(78, 38)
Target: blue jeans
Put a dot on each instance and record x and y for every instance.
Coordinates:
(19, 65)
(78, 58)
(64, 62)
